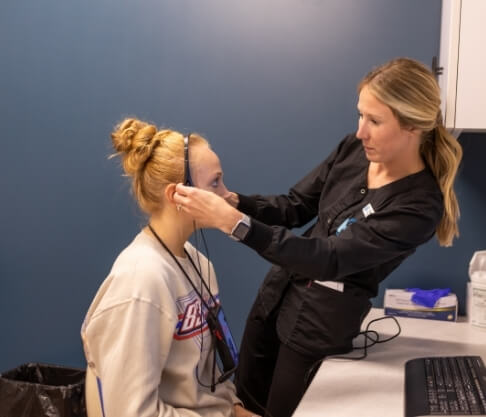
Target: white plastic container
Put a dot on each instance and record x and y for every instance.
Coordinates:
(476, 292)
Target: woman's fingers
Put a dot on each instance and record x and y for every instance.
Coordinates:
(200, 204)
(206, 208)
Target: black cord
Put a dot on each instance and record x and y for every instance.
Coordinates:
(200, 294)
(367, 332)
(196, 244)
(266, 413)
(206, 249)
(208, 288)
(369, 335)
(201, 316)
(213, 373)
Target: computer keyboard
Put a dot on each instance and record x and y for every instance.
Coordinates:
(449, 386)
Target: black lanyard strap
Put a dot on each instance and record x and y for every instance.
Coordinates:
(184, 271)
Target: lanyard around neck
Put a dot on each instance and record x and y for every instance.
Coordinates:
(184, 271)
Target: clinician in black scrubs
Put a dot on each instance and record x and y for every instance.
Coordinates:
(385, 190)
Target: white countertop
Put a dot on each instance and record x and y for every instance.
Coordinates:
(374, 386)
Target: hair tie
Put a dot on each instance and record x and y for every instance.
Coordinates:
(438, 120)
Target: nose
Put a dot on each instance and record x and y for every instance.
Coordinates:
(362, 132)
(223, 191)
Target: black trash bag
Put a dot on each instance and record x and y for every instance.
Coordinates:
(40, 390)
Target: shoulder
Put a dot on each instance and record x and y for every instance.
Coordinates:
(408, 210)
(143, 259)
(141, 272)
(419, 191)
(136, 288)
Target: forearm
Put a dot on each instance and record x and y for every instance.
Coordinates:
(309, 257)
(281, 210)
(363, 246)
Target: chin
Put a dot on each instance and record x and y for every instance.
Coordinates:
(370, 156)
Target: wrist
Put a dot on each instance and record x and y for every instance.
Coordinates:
(241, 229)
(233, 217)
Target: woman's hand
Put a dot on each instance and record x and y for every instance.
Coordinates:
(206, 208)
(243, 412)
(232, 198)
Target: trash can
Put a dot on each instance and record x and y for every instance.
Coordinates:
(42, 390)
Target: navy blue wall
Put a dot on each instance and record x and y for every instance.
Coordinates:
(271, 84)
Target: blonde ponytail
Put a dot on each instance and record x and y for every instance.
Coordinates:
(443, 154)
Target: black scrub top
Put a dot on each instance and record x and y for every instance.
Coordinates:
(359, 237)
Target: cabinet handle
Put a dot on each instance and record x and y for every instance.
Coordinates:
(436, 70)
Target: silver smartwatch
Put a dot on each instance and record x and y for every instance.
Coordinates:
(241, 229)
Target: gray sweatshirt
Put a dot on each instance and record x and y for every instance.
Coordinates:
(142, 337)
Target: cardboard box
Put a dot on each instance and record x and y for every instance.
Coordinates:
(399, 302)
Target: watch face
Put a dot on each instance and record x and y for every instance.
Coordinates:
(241, 231)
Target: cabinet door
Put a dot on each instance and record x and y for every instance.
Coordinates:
(471, 70)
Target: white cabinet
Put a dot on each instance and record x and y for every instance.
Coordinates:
(463, 62)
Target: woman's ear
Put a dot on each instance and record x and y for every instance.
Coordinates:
(169, 193)
(414, 130)
(414, 133)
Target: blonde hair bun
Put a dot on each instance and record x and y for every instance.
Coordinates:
(134, 141)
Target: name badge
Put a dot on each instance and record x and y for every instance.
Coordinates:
(368, 209)
(338, 286)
